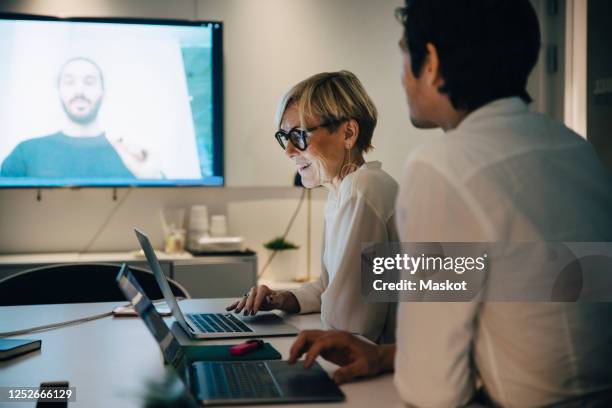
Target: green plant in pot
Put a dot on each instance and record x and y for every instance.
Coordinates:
(280, 244)
(280, 248)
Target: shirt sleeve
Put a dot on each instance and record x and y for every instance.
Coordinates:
(433, 362)
(309, 294)
(14, 165)
(343, 306)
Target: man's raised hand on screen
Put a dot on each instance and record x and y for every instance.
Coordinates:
(141, 162)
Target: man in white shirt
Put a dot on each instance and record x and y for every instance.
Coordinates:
(500, 174)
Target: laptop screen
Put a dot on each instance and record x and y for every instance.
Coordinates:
(133, 292)
(161, 278)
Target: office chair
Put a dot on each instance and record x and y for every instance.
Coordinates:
(76, 283)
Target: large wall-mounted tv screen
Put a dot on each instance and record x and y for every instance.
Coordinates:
(110, 102)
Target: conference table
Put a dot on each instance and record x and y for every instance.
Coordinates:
(115, 362)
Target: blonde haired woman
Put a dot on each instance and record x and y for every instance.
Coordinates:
(325, 125)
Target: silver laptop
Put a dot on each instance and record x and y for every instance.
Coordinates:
(231, 382)
(214, 325)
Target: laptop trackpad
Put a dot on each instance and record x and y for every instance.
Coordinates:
(314, 383)
(262, 319)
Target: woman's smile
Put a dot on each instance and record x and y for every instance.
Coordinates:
(302, 167)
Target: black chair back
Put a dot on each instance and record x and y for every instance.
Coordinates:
(76, 283)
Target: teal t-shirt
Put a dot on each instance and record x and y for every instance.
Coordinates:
(61, 156)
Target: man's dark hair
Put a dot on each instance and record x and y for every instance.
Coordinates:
(486, 48)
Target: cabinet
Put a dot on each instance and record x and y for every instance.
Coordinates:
(217, 276)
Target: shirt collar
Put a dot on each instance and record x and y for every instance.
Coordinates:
(333, 192)
(499, 107)
(371, 165)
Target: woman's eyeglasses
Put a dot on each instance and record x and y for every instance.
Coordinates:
(299, 137)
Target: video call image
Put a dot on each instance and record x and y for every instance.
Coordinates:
(105, 104)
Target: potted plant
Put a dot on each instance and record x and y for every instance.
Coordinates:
(282, 255)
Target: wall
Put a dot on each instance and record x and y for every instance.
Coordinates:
(547, 81)
(273, 44)
(576, 66)
(89, 220)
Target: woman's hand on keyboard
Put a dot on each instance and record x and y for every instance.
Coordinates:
(263, 298)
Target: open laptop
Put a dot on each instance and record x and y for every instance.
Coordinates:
(231, 382)
(214, 325)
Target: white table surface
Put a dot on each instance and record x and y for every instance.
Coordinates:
(110, 361)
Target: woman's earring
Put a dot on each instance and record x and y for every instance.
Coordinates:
(348, 167)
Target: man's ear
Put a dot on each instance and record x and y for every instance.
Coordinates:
(351, 133)
(431, 67)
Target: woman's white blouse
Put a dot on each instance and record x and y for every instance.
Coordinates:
(360, 210)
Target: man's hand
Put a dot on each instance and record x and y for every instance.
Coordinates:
(141, 162)
(355, 357)
(263, 298)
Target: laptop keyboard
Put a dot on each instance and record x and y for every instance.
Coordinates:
(219, 323)
(239, 380)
